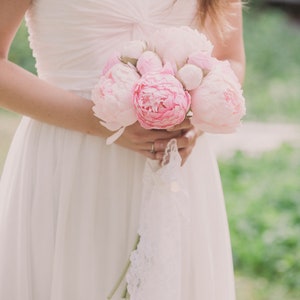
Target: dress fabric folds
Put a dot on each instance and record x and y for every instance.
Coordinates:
(69, 203)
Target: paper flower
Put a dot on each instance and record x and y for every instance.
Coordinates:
(112, 97)
(149, 61)
(218, 103)
(160, 101)
(159, 81)
(190, 76)
(132, 50)
(202, 60)
(175, 44)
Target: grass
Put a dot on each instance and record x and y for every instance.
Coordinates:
(258, 288)
(273, 67)
(20, 52)
(262, 195)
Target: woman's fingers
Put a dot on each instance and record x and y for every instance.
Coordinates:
(185, 143)
(152, 143)
(143, 141)
(186, 124)
(186, 139)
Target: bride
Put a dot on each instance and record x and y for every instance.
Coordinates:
(69, 204)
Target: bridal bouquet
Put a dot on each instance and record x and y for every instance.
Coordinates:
(161, 81)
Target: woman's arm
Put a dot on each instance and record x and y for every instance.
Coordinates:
(24, 93)
(230, 48)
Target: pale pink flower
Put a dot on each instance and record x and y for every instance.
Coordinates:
(218, 103)
(149, 62)
(112, 97)
(132, 50)
(175, 44)
(112, 60)
(202, 60)
(190, 76)
(160, 100)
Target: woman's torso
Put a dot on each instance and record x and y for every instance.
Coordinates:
(71, 39)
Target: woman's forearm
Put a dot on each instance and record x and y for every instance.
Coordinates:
(239, 69)
(26, 94)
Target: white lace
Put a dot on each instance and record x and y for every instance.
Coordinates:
(155, 270)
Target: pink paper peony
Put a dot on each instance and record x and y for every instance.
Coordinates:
(159, 81)
(132, 50)
(190, 76)
(160, 101)
(218, 103)
(149, 62)
(112, 97)
(175, 44)
(202, 60)
(112, 60)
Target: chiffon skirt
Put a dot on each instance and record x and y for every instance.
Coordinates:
(69, 212)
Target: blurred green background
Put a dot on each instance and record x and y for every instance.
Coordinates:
(262, 192)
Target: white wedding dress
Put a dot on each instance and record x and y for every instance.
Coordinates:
(69, 204)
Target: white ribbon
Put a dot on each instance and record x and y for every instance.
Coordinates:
(111, 139)
(155, 269)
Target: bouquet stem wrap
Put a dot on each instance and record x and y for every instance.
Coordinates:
(155, 269)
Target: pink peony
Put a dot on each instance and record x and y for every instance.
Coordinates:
(160, 100)
(112, 97)
(190, 76)
(202, 60)
(175, 44)
(112, 60)
(218, 103)
(149, 62)
(132, 50)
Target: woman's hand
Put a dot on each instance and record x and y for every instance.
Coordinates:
(186, 140)
(152, 143)
(145, 141)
